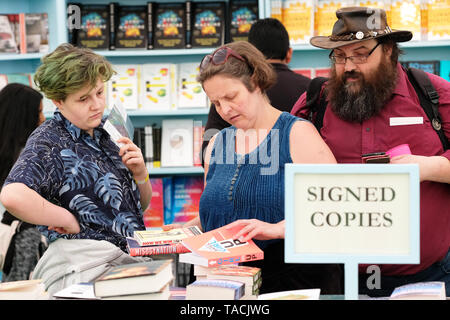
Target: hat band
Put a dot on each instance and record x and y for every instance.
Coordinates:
(360, 35)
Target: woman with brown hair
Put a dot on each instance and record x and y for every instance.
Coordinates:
(244, 164)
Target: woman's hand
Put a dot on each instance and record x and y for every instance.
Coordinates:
(257, 229)
(133, 159)
(168, 227)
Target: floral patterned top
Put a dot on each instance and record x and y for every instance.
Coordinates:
(83, 174)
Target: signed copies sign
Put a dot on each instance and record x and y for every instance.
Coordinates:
(351, 214)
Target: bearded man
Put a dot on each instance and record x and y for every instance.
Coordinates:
(372, 107)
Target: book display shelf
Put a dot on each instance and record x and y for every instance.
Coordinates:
(305, 56)
(58, 33)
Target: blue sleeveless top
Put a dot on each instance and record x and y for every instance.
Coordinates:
(249, 186)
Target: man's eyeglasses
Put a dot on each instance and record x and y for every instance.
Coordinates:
(218, 57)
(359, 59)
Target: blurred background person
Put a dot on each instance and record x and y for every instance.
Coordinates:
(20, 114)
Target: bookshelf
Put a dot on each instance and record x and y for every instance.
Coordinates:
(304, 55)
(307, 56)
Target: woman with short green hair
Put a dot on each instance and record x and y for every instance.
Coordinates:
(71, 179)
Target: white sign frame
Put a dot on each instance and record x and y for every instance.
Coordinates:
(351, 259)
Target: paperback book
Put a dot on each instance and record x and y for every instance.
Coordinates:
(215, 289)
(432, 290)
(134, 278)
(217, 247)
(118, 124)
(131, 31)
(8, 40)
(135, 250)
(298, 18)
(190, 91)
(158, 236)
(33, 32)
(94, 31)
(208, 24)
(186, 194)
(158, 86)
(177, 147)
(125, 85)
(169, 25)
(242, 14)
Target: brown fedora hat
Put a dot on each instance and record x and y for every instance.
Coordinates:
(356, 24)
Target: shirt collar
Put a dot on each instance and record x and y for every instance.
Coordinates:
(76, 132)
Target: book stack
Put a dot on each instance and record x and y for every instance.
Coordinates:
(156, 241)
(250, 276)
(218, 247)
(136, 281)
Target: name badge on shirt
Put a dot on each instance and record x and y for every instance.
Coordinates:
(404, 121)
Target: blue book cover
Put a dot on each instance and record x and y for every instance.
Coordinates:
(185, 199)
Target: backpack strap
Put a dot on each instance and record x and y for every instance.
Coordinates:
(429, 100)
(316, 102)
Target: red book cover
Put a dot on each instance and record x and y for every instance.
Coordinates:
(217, 247)
(135, 250)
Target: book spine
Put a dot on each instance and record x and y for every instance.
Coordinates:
(112, 25)
(147, 251)
(150, 25)
(149, 153)
(188, 24)
(197, 143)
(23, 34)
(157, 243)
(157, 146)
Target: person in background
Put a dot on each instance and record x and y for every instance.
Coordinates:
(367, 91)
(271, 38)
(71, 179)
(244, 164)
(20, 114)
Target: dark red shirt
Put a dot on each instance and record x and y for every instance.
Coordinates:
(348, 141)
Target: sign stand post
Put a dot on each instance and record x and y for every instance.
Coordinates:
(351, 280)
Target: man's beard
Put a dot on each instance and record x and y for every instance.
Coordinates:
(359, 104)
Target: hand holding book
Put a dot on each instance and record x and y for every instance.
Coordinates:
(257, 229)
